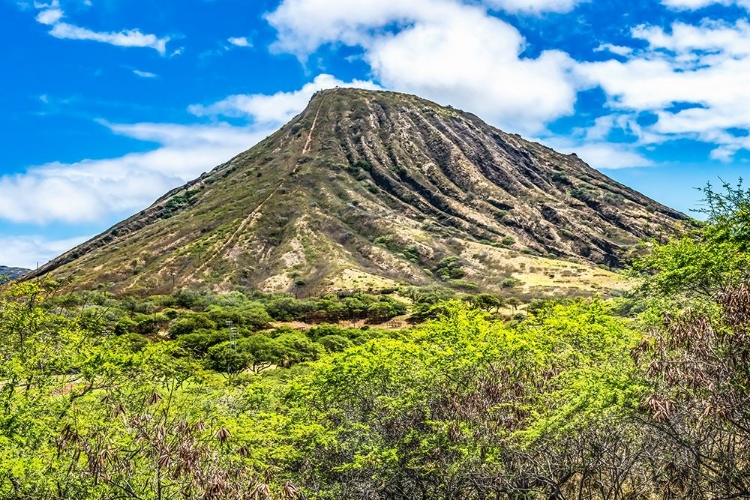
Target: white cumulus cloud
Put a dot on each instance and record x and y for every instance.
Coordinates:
(610, 156)
(533, 6)
(620, 50)
(30, 251)
(443, 50)
(305, 25)
(472, 61)
(692, 79)
(125, 38)
(144, 74)
(93, 190)
(51, 15)
(593, 148)
(277, 108)
(699, 4)
(240, 41)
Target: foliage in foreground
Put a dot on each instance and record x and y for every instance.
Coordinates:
(574, 402)
(92, 415)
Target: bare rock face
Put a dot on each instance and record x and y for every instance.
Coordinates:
(371, 188)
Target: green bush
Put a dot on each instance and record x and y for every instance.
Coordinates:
(225, 357)
(335, 343)
(251, 315)
(134, 342)
(295, 348)
(201, 340)
(124, 326)
(189, 324)
(449, 269)
(511, 283)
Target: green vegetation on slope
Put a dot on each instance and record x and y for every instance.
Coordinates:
(583, 399)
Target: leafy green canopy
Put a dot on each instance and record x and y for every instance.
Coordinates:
(160, 399)
(467, 398)
(711, 258)
(90, 414)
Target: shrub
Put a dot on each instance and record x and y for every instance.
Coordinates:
(335, 343)
(201, 340)
(449, 269)
(226, 358)
(189, 324)
(511, 283)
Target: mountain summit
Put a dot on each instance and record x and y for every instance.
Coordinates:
(368, 188)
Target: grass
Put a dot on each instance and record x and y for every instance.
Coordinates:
(540, 273)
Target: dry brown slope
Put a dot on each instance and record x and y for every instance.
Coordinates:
(368, 189)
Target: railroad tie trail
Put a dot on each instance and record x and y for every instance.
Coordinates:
(308, 143)
(255, 214)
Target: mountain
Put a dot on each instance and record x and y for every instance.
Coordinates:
(370, 189)
(11, 273)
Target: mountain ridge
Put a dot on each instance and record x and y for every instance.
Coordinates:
(12, 273)
(377, 183)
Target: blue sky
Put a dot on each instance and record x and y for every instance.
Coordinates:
(107, 104)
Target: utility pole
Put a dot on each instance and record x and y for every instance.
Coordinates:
(232, 334)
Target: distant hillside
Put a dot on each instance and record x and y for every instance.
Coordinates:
(371, 189)
(11, 273)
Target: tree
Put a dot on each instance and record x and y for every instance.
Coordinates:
(189, 324)
(262, 350)
(86, 414)
(513, 303)
(335, 343)
(226, 357)
(487, 302)
(698, 353)
(449, 268)
(293, 348)
(470, 408)
(710, 259)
